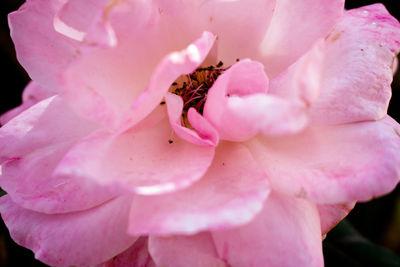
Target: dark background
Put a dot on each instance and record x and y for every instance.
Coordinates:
(378, 220)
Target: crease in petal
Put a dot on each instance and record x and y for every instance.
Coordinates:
(80, 238)
(231, 193)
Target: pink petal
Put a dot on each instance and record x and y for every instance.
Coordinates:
(360, 54)
(76, 18)
(81, 238)
(121, 85)
(332, 214)
(301, 82)
(335, 164)
(231, 193)
(47, 123)
(238, 106)
(294, 28)
(205, 136)
(182, 251)
(135, 256)
(32, 94)
(150, 161)
(168, 70)
(41, 50)
(240, 26)
(32, 144)
(286, 233)
(30, 182)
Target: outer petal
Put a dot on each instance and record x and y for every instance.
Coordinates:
(32, 145)
(182, 251)
(238, 106)
(81, 238)
(41, 50)
(334, 164)
(231, 193)
(145, 161)
(286, 233)
(135, 256)
(332, 214)
(359, 65)
(32, 94)
(294, 28)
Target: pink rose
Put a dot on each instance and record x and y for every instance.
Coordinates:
(196, 133)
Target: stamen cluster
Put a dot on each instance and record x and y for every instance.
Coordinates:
(194, 87)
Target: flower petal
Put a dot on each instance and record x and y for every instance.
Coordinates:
(335, 164)
(301, 82)
(41, 50)
(238, 106)
(127, 81)
(30, 182)
(332, 214)
(294, 28)
(33, 93)
(358, 70)
(149, 161)
(240, 26)
(44, 124)
(31, 145)
(286, 233)
(81, 238)
(182, 251)
(231, 193)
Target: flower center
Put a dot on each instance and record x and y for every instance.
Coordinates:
(193, 88)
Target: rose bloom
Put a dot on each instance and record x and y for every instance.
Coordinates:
(196, 133)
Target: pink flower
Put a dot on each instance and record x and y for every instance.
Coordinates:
(196, 133)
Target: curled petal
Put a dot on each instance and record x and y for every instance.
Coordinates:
(231, 193)
(335, 164)
(358, 71)
(79, 238)
(206, 135)
(239, 107)
(285, 233)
